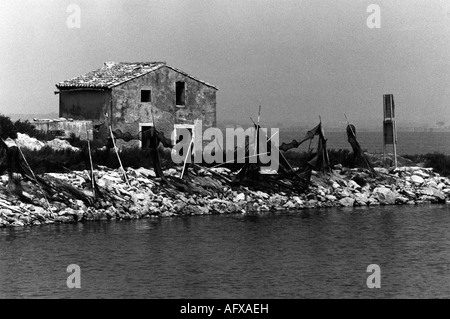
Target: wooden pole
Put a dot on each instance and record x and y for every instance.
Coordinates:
(34, 176)
(118, 157)
(92, 166)
(257, 131)
(394, 136)
(187, 154)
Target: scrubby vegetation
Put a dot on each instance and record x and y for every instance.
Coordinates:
(7, 128)
(50, 160)
(10, 129)
(438, 161)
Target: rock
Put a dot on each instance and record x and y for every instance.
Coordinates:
(373, 201)
(25, 219)
(384, 195)
(59, 145)
(140, 196)
(361, 199)
(171, 171)
(289, 205)
(298, 200)
(402, 200)
(431, 191)
(26, 142)
(336, 185)
(345, 193)
(179, 205)
(347, 201)
(240, 197)
(6, 212)
(146, 172)
(260, 194)
(17, 223)
(409, 194)
(311, 196)
(421, 174)
(417, 179)
(64, 219)
(431, 183)
(441, 186)
(381, 170)
(353, 185)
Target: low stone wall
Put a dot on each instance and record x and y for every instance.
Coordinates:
(83, 129)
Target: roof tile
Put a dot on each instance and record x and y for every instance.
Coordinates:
(113, 74)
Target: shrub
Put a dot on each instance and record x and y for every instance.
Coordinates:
(438, 161)
(7, 128)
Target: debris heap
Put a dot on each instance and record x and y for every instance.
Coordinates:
(208, 191)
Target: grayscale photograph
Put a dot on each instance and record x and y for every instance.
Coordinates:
(225, 154)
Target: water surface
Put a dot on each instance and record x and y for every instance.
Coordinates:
(306, 254)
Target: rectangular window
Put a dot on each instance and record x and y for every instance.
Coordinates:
(180, 88)
(146, 95)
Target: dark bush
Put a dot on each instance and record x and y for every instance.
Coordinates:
(25, 127)
(438, 161)
(341, 156)
(7, 128)
(50, 160)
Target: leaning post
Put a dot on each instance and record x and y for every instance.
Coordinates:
(389, 126)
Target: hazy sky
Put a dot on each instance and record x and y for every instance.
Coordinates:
(299, 59)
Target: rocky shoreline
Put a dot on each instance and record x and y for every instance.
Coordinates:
(147, 197)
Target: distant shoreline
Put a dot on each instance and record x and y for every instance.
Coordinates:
(290, 127)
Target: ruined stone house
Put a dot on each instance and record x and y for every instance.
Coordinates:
(132, 97)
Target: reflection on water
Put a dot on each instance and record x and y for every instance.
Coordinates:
(305, 254)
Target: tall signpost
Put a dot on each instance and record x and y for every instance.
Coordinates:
(389, 127)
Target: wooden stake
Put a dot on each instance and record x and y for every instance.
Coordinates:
(257, 131)
(187, 154)
(34, 176)
(118, 157)
(92, 167)
(394, 135)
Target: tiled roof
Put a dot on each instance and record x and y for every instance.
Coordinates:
(113, 74)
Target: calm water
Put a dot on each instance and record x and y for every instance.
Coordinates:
(316, 253)
(409, 143)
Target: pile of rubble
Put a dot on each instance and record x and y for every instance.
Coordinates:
(208, 192)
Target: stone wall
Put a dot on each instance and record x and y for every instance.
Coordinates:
(121, 106)
(83, 129)
(128, 110)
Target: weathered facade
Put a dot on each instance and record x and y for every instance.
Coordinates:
(133, 96)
